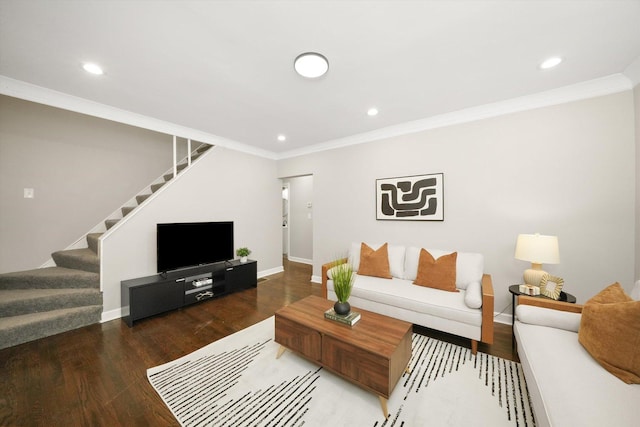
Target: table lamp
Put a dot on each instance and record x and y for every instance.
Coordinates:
(537, 249)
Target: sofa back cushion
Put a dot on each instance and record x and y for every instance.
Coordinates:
(437, 273)
(469, 265)
(395, 253)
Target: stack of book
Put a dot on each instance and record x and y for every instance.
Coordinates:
(347, 319)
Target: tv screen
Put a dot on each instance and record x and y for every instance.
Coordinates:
(190, 244)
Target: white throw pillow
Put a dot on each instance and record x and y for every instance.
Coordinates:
(548, 317)
(396, 257)
(473, 295)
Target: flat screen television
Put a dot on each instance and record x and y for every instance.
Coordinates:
(189, 244)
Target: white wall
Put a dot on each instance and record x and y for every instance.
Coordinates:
(636, 97)
(566, 170)
(82, 168)
(300, 218)
(225, 185)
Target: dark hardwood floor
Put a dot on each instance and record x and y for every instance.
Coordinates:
(96, 375)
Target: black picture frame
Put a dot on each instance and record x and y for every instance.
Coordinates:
(410, 198)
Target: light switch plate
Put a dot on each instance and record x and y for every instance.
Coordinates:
(29, 193)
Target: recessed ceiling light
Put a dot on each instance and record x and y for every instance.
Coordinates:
(282, 138)
(551, 62)
(372, 112)
(93, 69)
(311, 65)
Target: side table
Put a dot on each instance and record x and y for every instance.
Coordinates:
(515, 290)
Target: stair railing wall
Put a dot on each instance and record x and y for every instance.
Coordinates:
(81, 242)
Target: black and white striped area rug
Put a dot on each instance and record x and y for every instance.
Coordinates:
(237, 381)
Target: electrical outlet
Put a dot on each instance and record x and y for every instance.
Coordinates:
(29, 193)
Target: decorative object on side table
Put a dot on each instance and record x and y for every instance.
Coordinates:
(551, 286)
(342, 275)
(243, 253)
(537, 249)
(529, 290)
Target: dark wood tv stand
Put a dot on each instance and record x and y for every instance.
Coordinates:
(151, 295)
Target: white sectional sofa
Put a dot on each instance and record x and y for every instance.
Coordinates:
(467, 313)
(567, 386)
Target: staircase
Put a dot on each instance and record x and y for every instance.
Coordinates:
(47, 301)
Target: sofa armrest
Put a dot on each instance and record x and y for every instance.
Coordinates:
(487, 309)
(325, 269)
(549, 303)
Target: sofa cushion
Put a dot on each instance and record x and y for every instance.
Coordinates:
(469, 265)
(437, 273)
(567, 386)
(473, 295)
(610, 332)
(403, 294)
(396, 257)
(374, 262)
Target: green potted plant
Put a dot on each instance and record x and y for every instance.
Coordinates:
(243, 253)
(342, 276)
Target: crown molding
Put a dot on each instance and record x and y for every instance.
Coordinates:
(633, 72)
(41, 95)
(590, 89)
(584, 90)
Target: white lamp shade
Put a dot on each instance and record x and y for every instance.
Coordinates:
(538, 249)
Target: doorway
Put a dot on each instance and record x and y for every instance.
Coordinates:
(297, 218)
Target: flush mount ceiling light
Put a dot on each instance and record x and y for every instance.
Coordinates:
(282, 138)
(551, 62)
(372, 112)
(311, 65)
(93, 68)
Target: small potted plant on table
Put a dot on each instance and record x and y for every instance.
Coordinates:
(243, 253)
(342, 275)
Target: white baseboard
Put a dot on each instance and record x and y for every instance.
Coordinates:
(503, 318)
(270, 271)
(316, 279)
(111, 315)
(300, 260)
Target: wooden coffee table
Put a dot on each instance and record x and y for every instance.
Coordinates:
(373, 354)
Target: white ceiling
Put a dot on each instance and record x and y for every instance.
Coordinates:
(225, 68)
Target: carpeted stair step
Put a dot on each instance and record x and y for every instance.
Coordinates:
(203, 147)
(28, 327)
(49, 278)
(127, 210)
(111, 222)
(168, 177)
(17, 302)
(156, 187)
(81, 259)
(141, 198)
(93, 239)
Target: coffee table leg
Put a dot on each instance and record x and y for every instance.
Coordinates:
(281, 351)
(383, 404)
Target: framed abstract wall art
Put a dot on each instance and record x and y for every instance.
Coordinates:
(410, 198)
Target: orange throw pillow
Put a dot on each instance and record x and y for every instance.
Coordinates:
(374, 263)
(438, 274)
(610, 332)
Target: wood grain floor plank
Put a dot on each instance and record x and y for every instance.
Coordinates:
(96, 375)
